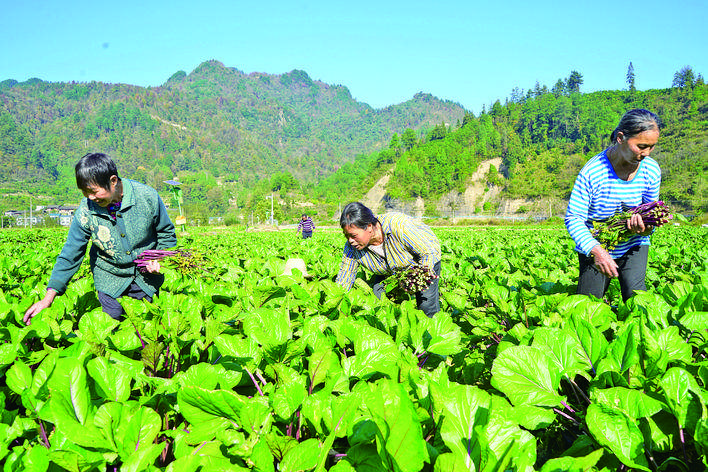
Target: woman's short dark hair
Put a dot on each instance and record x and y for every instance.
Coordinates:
(357, 214)
(95, 168)
(634, 122)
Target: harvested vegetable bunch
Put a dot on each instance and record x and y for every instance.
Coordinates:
(414, 279)
(185, 262)
(613, 230)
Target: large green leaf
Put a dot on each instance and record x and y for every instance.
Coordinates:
(18, 377)
(96, 326)
(289, 393)
(681, 392)
(139, 428)
(654, 307)
(400, 436)
(597, 313)
(527, 375)
(211, 376)
(268, 327)
(209, 410)
(696, 321)
(464, 409)
(112, 381)
(635, 403)
(70, 397)
(624, 348)
(564, 350)
(593, 343)
(142, 458)
(244, 350)
(573, 464)
(207, 455)
(480, 431)
(372, 362)
(320, 363)
(619, 433)
(302, 457)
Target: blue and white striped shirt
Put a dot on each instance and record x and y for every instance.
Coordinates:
(598, 193)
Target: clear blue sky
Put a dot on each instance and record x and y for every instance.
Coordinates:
(471, 52)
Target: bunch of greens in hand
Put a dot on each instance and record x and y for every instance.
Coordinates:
(187, 263)
(613, 230)
(402, 284)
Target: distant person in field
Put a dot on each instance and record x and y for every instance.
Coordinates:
(384, 243)
(306, 226)
(121, 218)
(621, 174)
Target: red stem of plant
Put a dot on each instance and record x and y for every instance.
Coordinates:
(253, 379)
(44, 435)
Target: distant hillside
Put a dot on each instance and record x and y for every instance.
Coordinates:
(539, 142)
(233, 126)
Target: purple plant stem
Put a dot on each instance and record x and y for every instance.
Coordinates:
(199, 448)
(560, 412)
(579, 390)
(140, 337)
(253, 379)
(299, 425)
(683, 444)
(568, 407)
(44, 435)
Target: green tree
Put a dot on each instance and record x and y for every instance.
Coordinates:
(438, 132)
(559, 88)
(283, 181)
(630, 78)
(684, 78)
(408, 139)
(574, 81)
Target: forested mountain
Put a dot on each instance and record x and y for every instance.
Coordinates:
(543, 138)
(235, 139)
(214, 124)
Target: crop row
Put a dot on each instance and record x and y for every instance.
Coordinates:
(244, 368)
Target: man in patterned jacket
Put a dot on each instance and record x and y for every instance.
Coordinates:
(121, 218)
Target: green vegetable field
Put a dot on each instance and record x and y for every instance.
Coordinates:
(238, 367)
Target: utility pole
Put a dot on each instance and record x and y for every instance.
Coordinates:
(271, 207)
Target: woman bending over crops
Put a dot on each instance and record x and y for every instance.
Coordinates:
(621, 176)
(122, 218)
(387, 243)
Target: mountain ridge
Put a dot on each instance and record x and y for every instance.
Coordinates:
(239, 127)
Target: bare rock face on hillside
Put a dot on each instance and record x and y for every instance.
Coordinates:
(375, 197)
(453, 204)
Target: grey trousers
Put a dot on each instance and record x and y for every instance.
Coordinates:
(632, 268)
(112, 307)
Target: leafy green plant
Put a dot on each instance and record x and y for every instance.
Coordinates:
(254, 369)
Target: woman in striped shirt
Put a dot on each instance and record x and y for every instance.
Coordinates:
(621, 174)
(386, 243)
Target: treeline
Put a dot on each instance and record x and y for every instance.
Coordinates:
(543, 136)
(241, 143)
(215, 126)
